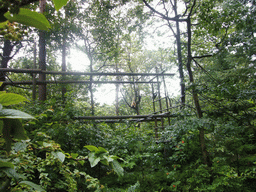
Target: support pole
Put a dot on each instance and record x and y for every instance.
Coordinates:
(34, 75)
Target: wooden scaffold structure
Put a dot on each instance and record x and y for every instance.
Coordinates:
(161, 105)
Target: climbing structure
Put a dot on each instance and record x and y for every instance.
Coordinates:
(161, 105)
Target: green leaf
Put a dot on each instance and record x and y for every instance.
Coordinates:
(59, 155)
(14, 114)
(47, 144)
(91, 148)
(81, 162)
(117, 168)
(101, 149)
(59, 3)
(12, 173)
(105, 162)
(134, 187)
(114, 157)
(93, 159)
(11, 99)
(30, 18)
(33, 185)
(2, 26)
(108, 158)
(74, 155)
(20, 146)
(6, 164)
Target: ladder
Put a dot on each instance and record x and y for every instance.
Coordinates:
(161, 105)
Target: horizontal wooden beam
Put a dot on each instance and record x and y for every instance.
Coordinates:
(83, 73)
(125, 117)
(122, 120)
(70, 81)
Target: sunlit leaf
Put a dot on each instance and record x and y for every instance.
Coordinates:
(101, 149)
(2, 26)
(91, 148)
(82, 162)
(30, 18)
(33, 185)
(59, 4)
(108, 158)
(117, 168)
(14, 114)
(47, 144)
(11, 99)
(20, 146)
(12, 173)
(6, 164)
(94, 160)
(59, 155)
(74, 155)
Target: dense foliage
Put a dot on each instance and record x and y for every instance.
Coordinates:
(209, 144)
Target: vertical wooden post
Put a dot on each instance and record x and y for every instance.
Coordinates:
(42, 58)
(63, 67)
(34, 75)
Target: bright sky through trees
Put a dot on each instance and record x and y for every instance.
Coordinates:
(106, 93)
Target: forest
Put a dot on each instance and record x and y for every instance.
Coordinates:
(127, 96)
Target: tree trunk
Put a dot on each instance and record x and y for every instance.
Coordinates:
(7, 49)
(178, 42)
(42, 58)
(195, 96)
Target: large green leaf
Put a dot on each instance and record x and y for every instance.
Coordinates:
(6, 164)
(33, 185)
(74, 155)
(59, 3)
(30, 18)
(94, 160)
(108, 158)
(20, 146)
(59, 155)
(2, 26)
(101, 149)
(117, 168)
(14, 114)
(11, 99)
(12, 173)
(91, 148)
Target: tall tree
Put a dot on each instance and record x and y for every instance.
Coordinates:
(6, 56)
(168, 16)
(185, 16)
(228, 61)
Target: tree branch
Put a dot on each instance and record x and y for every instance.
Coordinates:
(162, 15)
(202, 56)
